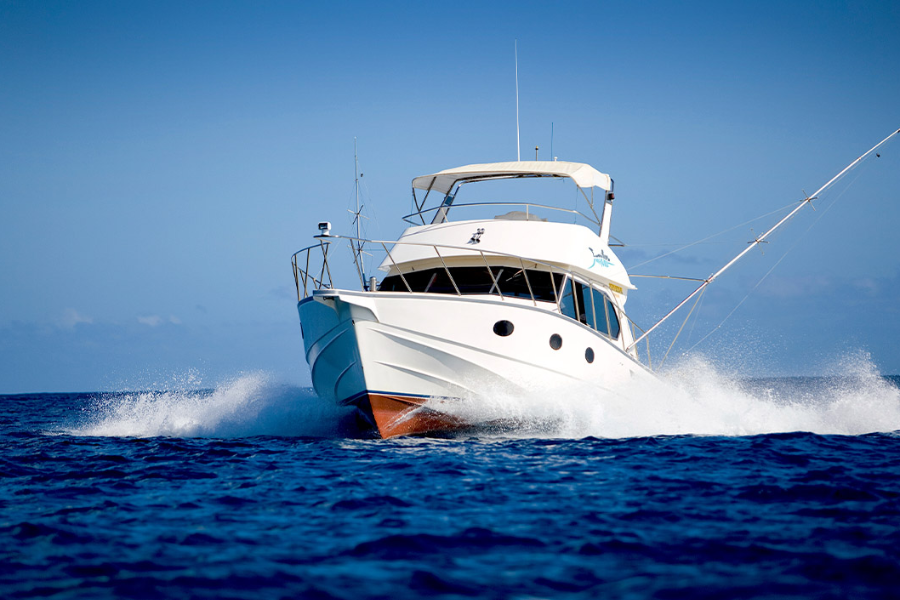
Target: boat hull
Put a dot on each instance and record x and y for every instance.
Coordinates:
(413, 363)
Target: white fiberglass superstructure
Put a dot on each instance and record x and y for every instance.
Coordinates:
(470, 307)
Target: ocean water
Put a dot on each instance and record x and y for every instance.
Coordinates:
(710, 486)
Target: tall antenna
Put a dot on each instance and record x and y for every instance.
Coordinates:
(357, 244)
(356, 185)
(518, 145)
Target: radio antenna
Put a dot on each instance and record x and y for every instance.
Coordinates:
(518, 143)
(358, 244)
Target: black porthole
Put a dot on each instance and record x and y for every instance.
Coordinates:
(589, 355)
(503, 328)
(555, 341)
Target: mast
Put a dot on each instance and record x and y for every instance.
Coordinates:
(357, 244)
(752, 244)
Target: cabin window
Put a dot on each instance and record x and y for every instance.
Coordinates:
(577, 300)
(614, 328)
(586, 302)
(589, 306)
(567, 301)
(512, 282)
(606, 318)
(515, 282)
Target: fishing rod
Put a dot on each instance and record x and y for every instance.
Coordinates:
(761, 239)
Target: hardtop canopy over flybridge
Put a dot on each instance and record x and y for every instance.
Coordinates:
(584, 176)
(447, 182)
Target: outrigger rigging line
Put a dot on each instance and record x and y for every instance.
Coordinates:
(761, 238)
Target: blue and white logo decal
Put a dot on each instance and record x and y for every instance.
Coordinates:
(600, 259)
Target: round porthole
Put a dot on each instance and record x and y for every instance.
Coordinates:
(503, 328)
(589, 355)
(555, 341)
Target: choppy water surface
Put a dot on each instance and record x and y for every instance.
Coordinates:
(708, 488)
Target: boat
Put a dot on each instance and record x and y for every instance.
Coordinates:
(525, 299)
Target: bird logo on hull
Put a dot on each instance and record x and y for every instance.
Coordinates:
(600, 259)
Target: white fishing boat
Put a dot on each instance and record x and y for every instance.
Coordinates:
(470, 308)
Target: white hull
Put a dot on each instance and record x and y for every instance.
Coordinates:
(402, 349)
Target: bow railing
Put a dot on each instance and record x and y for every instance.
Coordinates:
(532, 281)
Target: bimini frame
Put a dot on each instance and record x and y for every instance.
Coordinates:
(449, 181)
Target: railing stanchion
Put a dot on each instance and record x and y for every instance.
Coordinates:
(296, 276)
(555, 292)
(306, 274)
(528, 283)
(494, 279)
(458, 293)
(399, 272)
(325, 267)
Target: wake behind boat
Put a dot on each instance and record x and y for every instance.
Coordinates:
(467, 307)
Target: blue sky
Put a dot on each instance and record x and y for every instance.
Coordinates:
(161, 161)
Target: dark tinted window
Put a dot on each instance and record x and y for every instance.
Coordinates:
(587, 305)
(476, 280)
(590, 306)
(567, 301)
(613, 319)
(515, 282)
(575, 302)
(607, 321)
(600, 302)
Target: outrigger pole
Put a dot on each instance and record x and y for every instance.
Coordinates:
(760, 239)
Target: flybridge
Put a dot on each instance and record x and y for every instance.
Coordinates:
(448, 182)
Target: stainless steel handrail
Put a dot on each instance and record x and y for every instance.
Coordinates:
(551, 268)
(303, 277)
(303, 274)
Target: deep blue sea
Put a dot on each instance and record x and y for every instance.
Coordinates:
(723, 488)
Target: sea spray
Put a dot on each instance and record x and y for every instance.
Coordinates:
(248, 405)
(694, 397)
